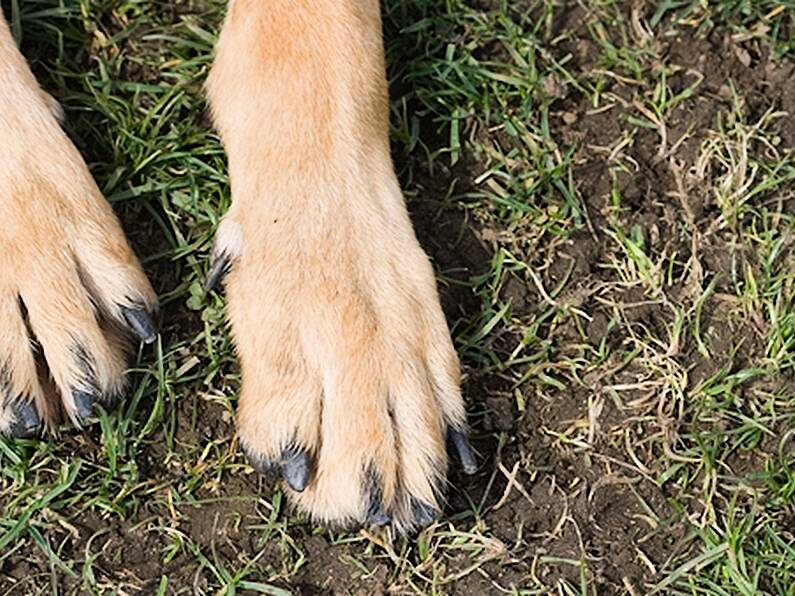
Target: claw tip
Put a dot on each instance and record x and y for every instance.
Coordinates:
(141, 322)
(423, 513)
(296, 468)
(464, 450)
(27, 422)
(218, 269)
(379, 517)
(84, 404)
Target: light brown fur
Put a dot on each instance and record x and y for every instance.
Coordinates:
(333, 304)
(62, 255)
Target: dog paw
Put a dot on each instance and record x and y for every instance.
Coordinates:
(70, 287)
(350, 379)
(350, 382)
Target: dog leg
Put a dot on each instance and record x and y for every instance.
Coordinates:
(68, 280)
(350, 379)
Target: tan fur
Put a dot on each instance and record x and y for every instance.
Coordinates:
(333, 304)
(62, 253)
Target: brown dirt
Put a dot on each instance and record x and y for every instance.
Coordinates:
(602, 518)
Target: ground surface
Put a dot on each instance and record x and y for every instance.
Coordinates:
(607, 190)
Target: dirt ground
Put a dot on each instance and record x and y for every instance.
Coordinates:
(582, 396)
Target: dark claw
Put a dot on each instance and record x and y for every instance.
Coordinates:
(296, 468)
(422, 512)
(376, 512)
(261, 464)
(377, 516)
(27, 422)
(221, 265)
(141, 322)
(84, 402)
(464, 451)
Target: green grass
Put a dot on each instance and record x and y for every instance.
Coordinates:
(613, 234)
